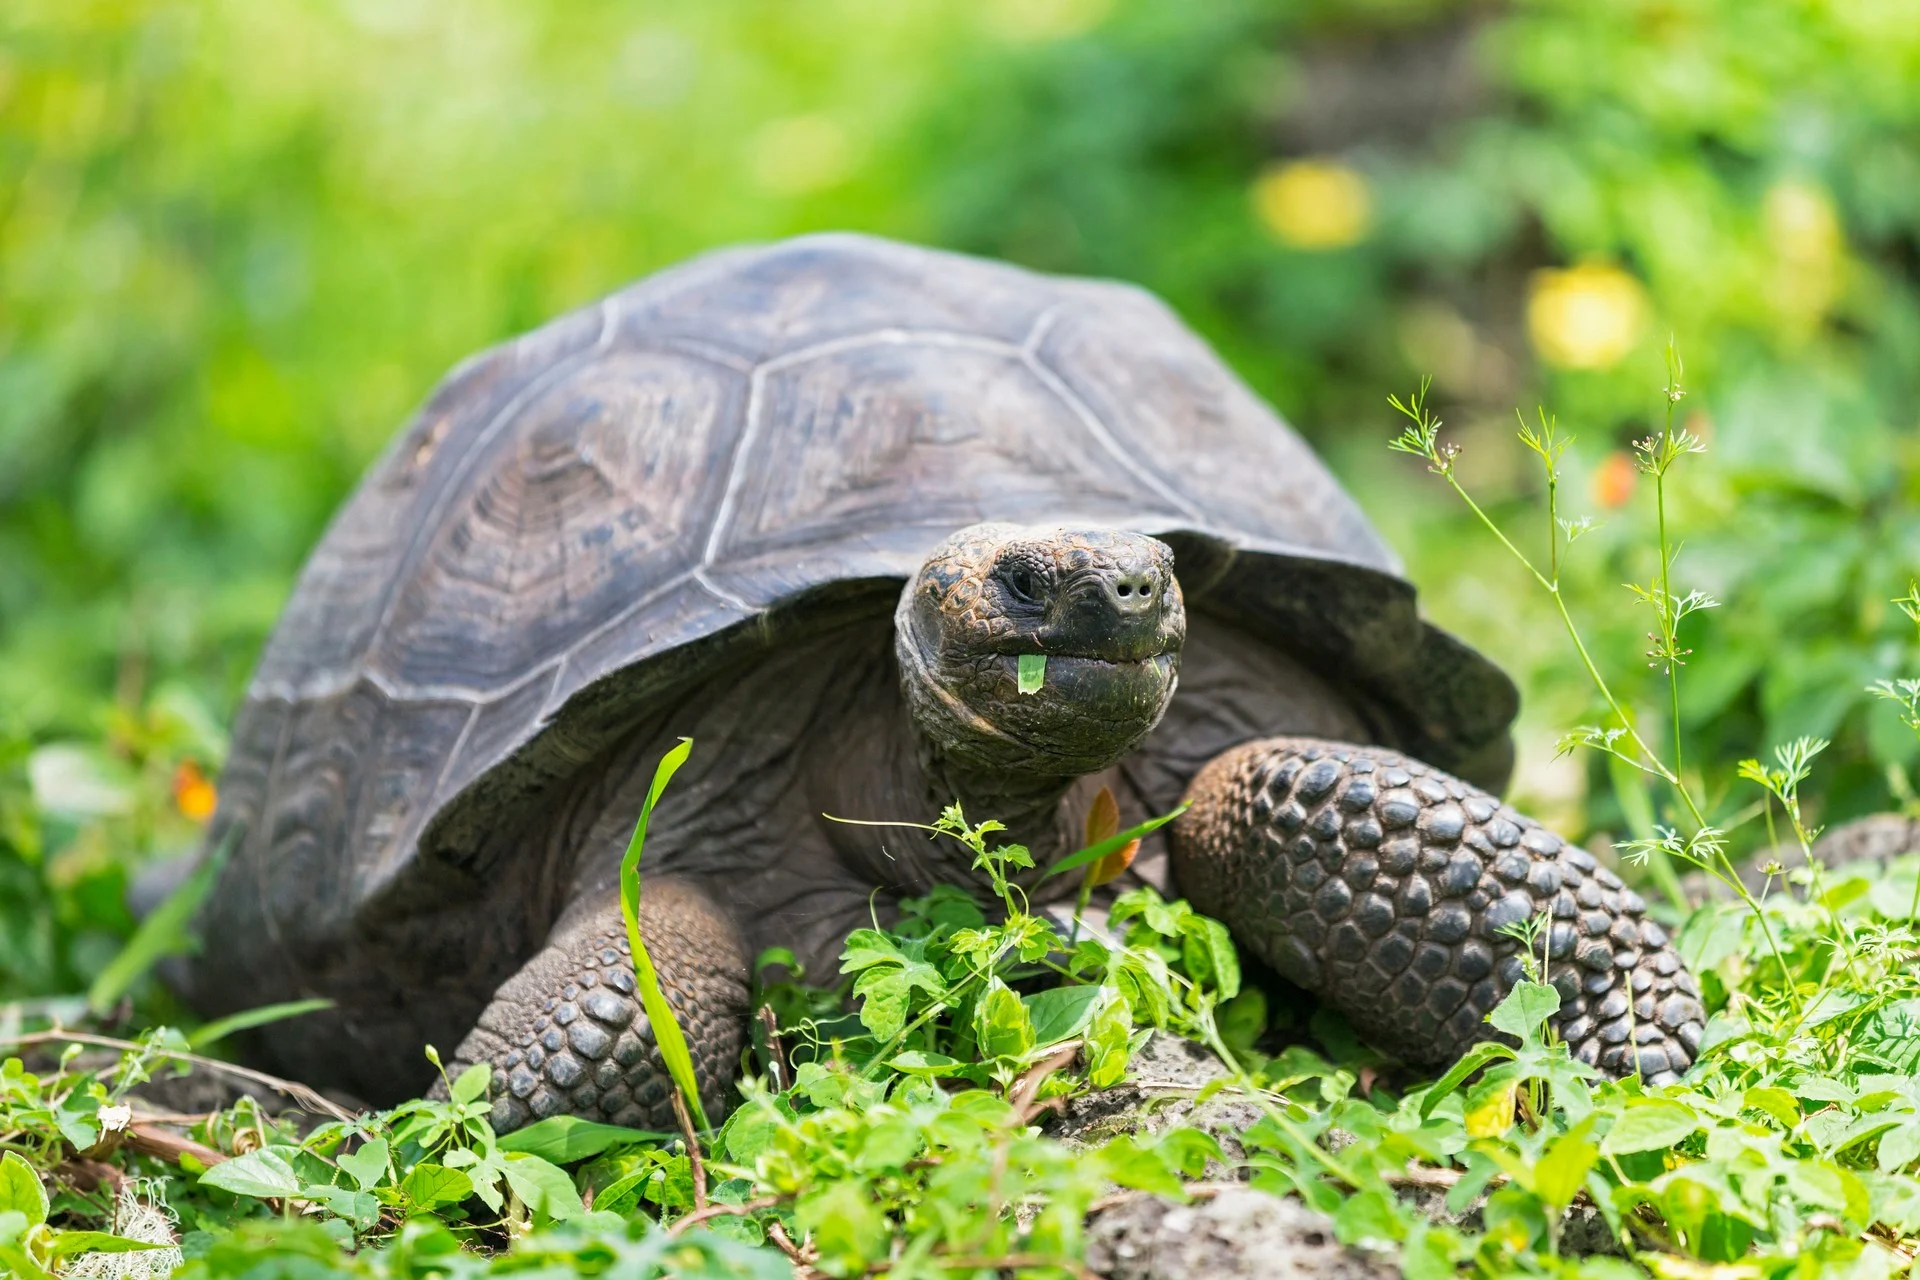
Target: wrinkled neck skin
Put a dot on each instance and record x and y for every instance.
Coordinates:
(1030, 804)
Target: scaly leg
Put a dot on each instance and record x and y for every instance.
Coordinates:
(1385, 887)
(567, 1034)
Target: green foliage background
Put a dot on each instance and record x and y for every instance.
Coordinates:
(238, 241)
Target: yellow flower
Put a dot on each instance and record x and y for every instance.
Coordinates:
(1585, 317)
(1314, 204)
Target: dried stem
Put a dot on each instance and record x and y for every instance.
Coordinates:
(699, 1216)
(1022, 1095)
(302, 1095)
(693, 1148)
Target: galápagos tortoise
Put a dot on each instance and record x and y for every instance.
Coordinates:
(692, 510)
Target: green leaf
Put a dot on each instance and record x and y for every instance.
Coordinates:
(1109, 1040)
(568, 1139)
(247, 1019)
(262, 1174)
(1650, 1126)
(1033, 672)
(471, 1084)
(847, 1226)
(167, 931)
(1061, 1013)
(357, 1207)
(71, 1244)
(1120, 840)
(916, 1062)
(367, 1166)
(1776, 1102)
(1525, 1010)
(1475, 1058)
(431, 1186)
(543, 1187)
(1562, 1171)
(20, 1189)
(1899, 1147)
(1000, 1024)
(667, 1035)
(1206, 948)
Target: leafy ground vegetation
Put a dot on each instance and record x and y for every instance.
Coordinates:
(895, 1121)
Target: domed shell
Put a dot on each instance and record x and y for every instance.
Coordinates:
(732, 452)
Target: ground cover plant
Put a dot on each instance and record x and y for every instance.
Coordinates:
(894, 1120)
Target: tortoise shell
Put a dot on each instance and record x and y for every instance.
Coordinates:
(737, 451)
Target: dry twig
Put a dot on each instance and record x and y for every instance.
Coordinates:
(303, 1096)
(693, 1149)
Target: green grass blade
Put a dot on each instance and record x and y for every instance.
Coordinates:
(1033, 672)
(165, 932)
(1100, 849)
(247, 1019)
(666, 1029)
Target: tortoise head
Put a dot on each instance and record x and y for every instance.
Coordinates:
(1049, 650)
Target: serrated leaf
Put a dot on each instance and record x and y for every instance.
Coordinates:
(21, 1191)
(567, 1139)
(1525, 1010)
(1033, 672)
(1650, 1126)
(261, 1174)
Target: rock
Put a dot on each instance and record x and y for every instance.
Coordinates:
(1235, 1233)
(1157, 1095)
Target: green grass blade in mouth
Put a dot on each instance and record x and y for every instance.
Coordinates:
(1033, 672)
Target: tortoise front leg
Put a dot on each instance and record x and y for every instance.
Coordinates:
(566, 1034)
(1385, 887)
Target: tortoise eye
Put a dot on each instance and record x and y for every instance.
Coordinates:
(1019, 580)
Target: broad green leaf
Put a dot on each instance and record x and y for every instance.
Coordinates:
(1033, 672)
(847, 1226)
(1060, 1013)
(1711, 934)
(247, 1019)
(1000, 1025)
(667, 1035)
(1207, 950)
(262, 1174)
(1899, 1147)
(1108, 1040)
(543, 1187)
(431, 1185)
(1776, 1102)
(1562, 1171)
(568, 1139)
(358, 1207)
(20, 1189)
(916, 1062)
(1650, 1126)
(1475, 1058)
(1525, 1010)
(471, 1084)
(1367, 1220)
(366, 1166)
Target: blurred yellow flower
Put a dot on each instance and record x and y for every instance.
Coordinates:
(800, 154)
(1314, 204)
(1808, 246)
(1585, 317)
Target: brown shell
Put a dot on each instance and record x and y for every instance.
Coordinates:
(730, 453)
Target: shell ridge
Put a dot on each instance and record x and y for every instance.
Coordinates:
(455, 482)
(1090, 420)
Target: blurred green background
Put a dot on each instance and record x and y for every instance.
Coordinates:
(239, 240)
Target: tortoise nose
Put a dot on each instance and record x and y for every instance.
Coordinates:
(1134, 591)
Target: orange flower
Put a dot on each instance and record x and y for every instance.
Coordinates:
(1613, 483)
(1103, 822)
(194, 795)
